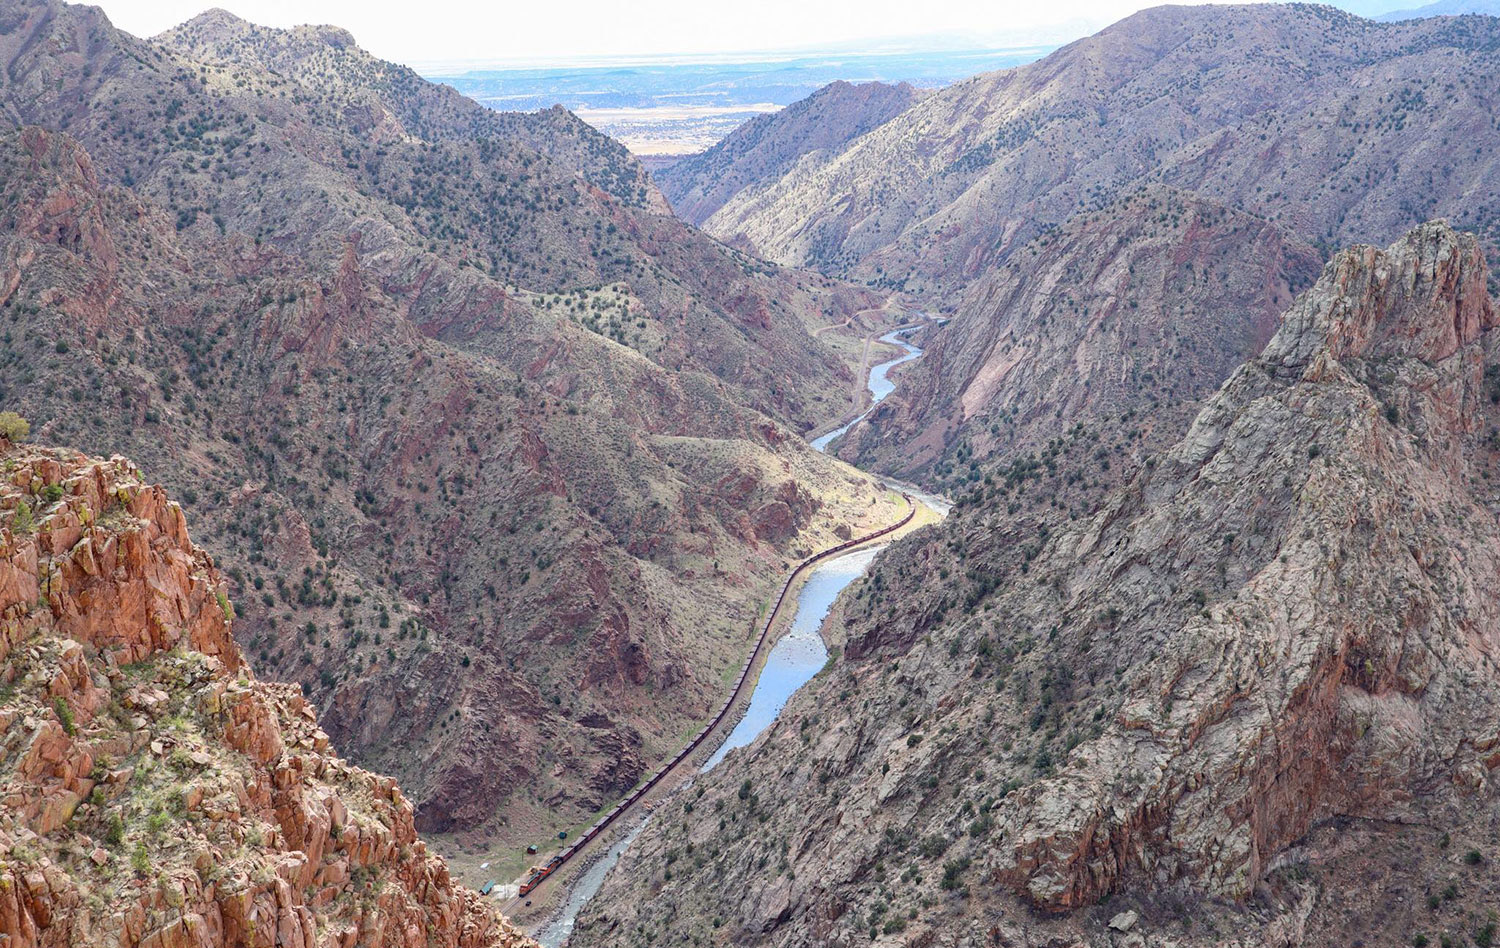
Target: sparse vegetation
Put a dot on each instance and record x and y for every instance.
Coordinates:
(22, 523)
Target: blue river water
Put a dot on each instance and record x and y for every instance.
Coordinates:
(800, 653)
(880, 385)
(556, 931)
(795, 658)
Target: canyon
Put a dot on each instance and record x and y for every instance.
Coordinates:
(1135, 312)
(474, 429)
(1114, 228)
(497, 449)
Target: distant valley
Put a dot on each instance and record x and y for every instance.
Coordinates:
(668, 106)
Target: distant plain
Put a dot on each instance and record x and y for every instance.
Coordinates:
(662, 106)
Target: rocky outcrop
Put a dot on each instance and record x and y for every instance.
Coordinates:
(152, 791)
(1340, 676)
(1251, 701)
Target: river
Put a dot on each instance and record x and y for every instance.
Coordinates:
(795, 658)
(792, 662)
(880, 384)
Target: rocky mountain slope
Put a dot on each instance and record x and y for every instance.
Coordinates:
(1119, 322)
(471, 515)
(1279, 129)
(327, 62)
(1251, 701)
(770, 146)
(1334, 127)
(204, 119)
(152, 790)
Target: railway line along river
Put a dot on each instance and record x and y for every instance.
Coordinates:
(793, 660)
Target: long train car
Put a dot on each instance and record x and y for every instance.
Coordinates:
(556, 862)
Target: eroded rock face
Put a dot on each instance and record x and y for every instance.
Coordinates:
(1280, 634)
(152, 791)
(1121, 321)
(1339, 677)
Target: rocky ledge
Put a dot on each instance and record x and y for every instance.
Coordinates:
(152, 792)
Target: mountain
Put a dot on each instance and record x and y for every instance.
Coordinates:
(1251, 701)
(1333, 127)
(500, 462)
(326, 61)
(769, 146)
(1444, 8)
(1119, 323)
(153, 791)
(357, 145)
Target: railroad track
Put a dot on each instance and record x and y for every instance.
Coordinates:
(561, 859)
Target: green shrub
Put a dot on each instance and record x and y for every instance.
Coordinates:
(24, 522)
(114, 834)
(953, 871)
(64, 714)
(140, 860)
(225, 605)
(13, 427)
(52, 493)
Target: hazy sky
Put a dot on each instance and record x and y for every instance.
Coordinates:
(437, 31)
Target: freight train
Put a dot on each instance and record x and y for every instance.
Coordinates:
(556, 862)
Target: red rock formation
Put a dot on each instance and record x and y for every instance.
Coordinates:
(153, 792)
